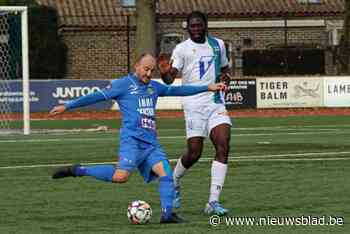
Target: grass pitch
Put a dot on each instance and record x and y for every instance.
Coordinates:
(279, 168)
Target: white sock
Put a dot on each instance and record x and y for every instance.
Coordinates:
(179, 172)
(218, 174)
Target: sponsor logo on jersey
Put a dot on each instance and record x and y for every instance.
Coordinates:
(150, 90)
(205, 63)
(216, 49)
(146, 106)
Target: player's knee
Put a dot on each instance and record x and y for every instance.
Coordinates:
(194, 152)
(222, 149)
(194, 155)
(120, 178)
(222, 153)
(167, 168)
(190, 158)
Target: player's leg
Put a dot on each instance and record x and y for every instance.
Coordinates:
(192, 155)
(220, 134)
(196, 131)
(166, 191)
(107, 173)
(156, 165)
(100, 172)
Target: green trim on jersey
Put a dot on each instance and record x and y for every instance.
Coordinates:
(214, 44)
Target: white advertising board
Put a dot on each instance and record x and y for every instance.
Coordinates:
(337, 91)
(289, 92)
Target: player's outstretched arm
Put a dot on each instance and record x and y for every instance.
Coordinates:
(86, 100)
(57, 110)
(188, 90)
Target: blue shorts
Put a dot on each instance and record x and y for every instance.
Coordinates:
(134, 153)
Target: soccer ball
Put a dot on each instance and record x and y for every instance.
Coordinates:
(139, 212)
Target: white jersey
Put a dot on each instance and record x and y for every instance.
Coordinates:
(196, 63)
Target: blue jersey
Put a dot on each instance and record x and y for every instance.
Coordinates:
(137, 102)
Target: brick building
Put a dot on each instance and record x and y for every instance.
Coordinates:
(263, 37)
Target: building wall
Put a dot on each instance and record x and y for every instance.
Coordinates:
(97, 55)
(103, 54)
(265, 38)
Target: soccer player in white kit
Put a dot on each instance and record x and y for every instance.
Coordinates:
(201, 60)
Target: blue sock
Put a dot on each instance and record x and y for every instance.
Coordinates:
(166, 191)
(99, 172)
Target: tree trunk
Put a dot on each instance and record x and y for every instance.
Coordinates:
(347, 35)
(145, 27)
(343, 50)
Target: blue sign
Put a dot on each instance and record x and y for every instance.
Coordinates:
(44, 94)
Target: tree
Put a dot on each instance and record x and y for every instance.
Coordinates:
(145, 27)
(343, 51)
(47, 52)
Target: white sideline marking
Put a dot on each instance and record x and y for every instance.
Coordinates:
(167, 137)
(255, 158)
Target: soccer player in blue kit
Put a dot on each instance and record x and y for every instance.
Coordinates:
(136, 95)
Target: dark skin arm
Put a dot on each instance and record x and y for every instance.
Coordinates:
(225, 75)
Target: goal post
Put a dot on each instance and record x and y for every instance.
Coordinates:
(10, 70)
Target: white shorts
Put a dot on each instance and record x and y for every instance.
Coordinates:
(201, 119)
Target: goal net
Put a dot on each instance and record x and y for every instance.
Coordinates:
(14, 101)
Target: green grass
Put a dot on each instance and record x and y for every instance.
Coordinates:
(279, 167)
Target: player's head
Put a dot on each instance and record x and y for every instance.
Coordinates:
(144, 67)
(197, 26)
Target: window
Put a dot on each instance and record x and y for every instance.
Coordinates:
(283, 61)
(128, 3)
(169, 41)
(310, 1)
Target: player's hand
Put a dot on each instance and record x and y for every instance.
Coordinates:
(164, 63)
(217, 87)
(57, 110)
(225, 77)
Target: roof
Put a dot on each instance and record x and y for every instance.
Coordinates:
(89, 13)
(109, 13)
(252, 8)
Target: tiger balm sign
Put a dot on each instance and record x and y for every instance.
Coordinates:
(289, 92)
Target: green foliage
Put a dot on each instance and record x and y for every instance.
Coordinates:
(47, 51)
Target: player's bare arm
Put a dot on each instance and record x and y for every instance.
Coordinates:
(57, 110)
(167, 72)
